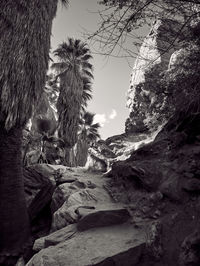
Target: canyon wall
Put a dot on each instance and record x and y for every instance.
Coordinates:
(145, 99)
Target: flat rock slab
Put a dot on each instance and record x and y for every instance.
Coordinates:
(101, 218)
(55, 238)
(119, 245)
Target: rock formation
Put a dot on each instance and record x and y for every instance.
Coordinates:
(146, 213)
(145, 99)
(88, 226)
(39, 186)
(168, 171)
(103, 154)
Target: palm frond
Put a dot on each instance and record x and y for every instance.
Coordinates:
(60, 66)
(89, 131)
(93, 137)
(88, 73)
(87, 57)
(87, 65)
(77, 43)
(86, 97)
(86, 80)
(88, 118)
(23, 69)
(96, 125)
(65, 2)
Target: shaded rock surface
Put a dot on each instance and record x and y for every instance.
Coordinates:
(103, 218)
(55, 238)
(98, 246)
(39, 186)
(86, 192)
(190, 248)
(165, 173)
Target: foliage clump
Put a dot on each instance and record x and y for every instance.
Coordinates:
(75, 73)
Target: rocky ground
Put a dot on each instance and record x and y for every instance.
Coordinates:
(145, 211)
(88, 226)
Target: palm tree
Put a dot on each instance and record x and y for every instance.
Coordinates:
(89, 131)
(87, 136)
(74, 72)
(24, 55)
(87, 89)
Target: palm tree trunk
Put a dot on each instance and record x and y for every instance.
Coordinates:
(24, 160)
(14, 221)
(82, 151)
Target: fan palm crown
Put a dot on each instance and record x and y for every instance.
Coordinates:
(75, 74)
(89, 129)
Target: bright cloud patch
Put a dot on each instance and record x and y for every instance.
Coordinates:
(113, 114)
(101, 119)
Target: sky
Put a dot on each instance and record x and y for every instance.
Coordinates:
(111, 75)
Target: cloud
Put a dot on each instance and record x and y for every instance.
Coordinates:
(101, 119)
(113, 114)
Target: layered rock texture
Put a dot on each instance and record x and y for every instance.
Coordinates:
(103, 154)
(145, 99)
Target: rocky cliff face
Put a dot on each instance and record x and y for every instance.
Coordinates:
(145, 100)
(168, 167)
(116, 148)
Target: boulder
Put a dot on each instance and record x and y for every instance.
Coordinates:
(55, 238)
(104, 149)
(67, 213)
(190, 250)
(46, 170)
(39, 187)
(69, 182)
(60, 195)
(89, 197)
(101, 218)
(65, 175)
(170, 187)
(64, 216)
(192, 185)
(116, 245)
(96, 161)
(141, 174)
